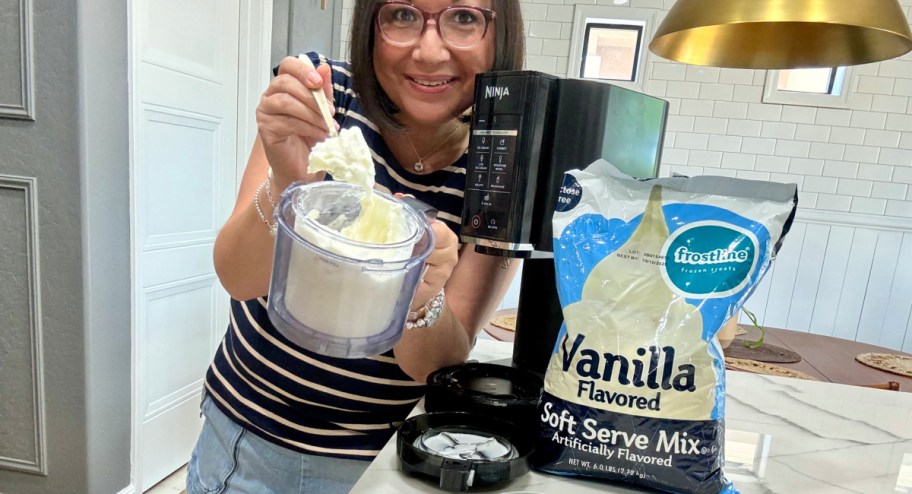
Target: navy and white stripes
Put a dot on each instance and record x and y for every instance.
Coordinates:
(311, 403)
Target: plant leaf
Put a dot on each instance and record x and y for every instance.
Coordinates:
(753, 319)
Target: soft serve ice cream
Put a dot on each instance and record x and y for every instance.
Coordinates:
(333, 295)
(348, 159)
(647, 273)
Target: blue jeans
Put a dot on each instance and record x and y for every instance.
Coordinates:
(229, 459)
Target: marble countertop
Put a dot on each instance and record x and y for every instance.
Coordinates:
(782, 436)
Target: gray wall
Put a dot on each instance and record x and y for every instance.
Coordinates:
(104, 167)
(47, 150)
(299, 26)
(73, 159)
(280, 28)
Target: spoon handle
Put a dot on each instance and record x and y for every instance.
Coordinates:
(321, 101)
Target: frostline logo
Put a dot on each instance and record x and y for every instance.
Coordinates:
(496, 92)
(683, 255)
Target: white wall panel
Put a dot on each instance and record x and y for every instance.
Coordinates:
(180, 318)
(783, 281)
(187, 157)
(880, 282)
(844, 280)
(832, 275)
(899, 306)
(807, 278)
(854, 282)
(907, 343)
(185, 47)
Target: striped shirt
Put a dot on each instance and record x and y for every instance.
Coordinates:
(346, 408)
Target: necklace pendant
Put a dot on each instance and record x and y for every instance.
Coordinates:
(418, 166)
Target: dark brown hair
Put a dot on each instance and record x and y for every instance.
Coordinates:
(509, 50)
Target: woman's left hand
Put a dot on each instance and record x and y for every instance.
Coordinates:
(475, 285)
(439, 265)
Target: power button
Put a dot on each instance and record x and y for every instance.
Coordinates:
(476, 221)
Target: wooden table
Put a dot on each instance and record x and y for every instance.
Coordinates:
(823, 357)
(830, 359)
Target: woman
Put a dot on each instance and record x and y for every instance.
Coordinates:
(283, 419)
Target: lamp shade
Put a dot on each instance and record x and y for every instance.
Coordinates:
(782, 34)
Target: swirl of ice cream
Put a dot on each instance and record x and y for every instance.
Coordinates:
(348, 159)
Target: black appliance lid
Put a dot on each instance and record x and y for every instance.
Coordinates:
(480, 386)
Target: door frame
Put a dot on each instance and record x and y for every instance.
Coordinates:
(254, 50)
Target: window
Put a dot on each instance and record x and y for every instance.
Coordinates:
(610, 51)
(824, 87)
(819, 81)
(609, 43)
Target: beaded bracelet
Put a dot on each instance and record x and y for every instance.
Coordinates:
(256, 203)
(428, 314)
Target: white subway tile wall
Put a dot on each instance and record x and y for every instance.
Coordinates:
(875, 172)
(889, 190)
(850, 160)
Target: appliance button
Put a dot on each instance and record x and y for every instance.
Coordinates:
(479, 180)
(504, 144)
(499, 181)
(476, 221)
(482, 164)
(496, 224)
(481, 144)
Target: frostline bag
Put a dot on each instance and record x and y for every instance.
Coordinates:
(647, 273)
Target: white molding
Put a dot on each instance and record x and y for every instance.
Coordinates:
(134, 113)
(27, 185)
(128, 490)
(772, 95)
(25, 110)
(583, 13)
(859, 220)
(255, 53)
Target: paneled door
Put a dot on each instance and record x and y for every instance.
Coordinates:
(184, 64)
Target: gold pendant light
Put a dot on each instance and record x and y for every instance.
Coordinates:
(782, 34)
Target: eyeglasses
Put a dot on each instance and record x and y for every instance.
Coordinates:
(402, 24)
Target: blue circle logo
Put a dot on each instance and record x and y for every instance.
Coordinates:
(709, 259)
(569, 195)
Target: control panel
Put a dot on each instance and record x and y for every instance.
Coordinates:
(490, 174)
(508, 126)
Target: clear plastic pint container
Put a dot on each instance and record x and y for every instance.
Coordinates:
(337, 296)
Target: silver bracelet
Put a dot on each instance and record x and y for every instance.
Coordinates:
(269, 188)
(256, 202)
(427, 315)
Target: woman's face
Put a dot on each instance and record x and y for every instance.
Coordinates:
(431, 82)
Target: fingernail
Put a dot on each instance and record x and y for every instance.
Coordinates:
(315, 78)
(338, 127)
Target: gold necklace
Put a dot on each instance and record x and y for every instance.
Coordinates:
(419, 165)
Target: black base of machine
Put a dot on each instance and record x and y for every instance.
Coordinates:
(538, 317)
(420, 439)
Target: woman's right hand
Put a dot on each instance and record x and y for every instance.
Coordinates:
(289, 121)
